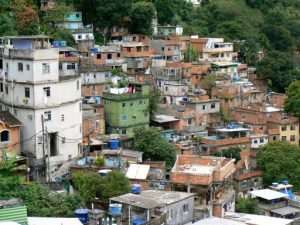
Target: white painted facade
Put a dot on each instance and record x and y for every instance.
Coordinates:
(38, 88)
(258, 141)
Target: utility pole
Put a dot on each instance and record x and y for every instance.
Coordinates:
(48, 157)
(43, 135)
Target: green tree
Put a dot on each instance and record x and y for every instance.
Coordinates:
(142, 14)
(230, 153)
(153, 102)
(191, 54)
(209, 82)
(154, 146)
(165, 11)
(247, 205)
(100, 161)
(280, 161)
(292, 104)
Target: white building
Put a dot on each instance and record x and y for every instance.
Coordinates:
(196, 3)
(39, 84)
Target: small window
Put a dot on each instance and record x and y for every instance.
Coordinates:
(5, 136)
(27, 67)
(283, 138)
(20, 66)
(6, 89)
(166, 88)
(47, 116)
(293, 127)
(283, 128)
(186, 207)
(47, 91)
(139, 49)
(98, 56)
(261, 140)
(203, 107)
(274, 138)
(62, 117)
(27, 92)
(1, 87)
(15, 112)
(124, 131)
(109, 56)
(77, 15)
(124, 104)
(162, 48)
(131, 104)
(46, 68)
(123, 118)
(60, 66)
(255, 141)
(71, 66)
(292, 138)
(140, 102)
(118, 55)
(213, 105)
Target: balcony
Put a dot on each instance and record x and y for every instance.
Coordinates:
(123, 96)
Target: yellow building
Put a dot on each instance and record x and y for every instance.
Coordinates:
(289, 132)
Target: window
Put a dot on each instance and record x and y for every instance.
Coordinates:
(47, 91)
(71, 66)
(5, 136)
(292, 138)
(79, 37)
(60, 66)
(261, 140)
(162, 48)
(1, 87)
(140, 102)
(15, 112)
(27, 92)
(255, 141)
(138, 49)
(283, 138)
(98, 56)
(293, 127)
(123, 118)
(283, 128)
(62, 117)
(190, 121)
(166, 88)
(47, 116)
(186, 207)
(124, 104)
(131, 104)
(46, 68)
(124, 131)
(213, 105)
(203, 107)
(109, 56)
(274, 138)
(77, 15)
(27, 67)
(94, 87)
(77, 84)
(6, 89)
(20, 66)
(118, 55)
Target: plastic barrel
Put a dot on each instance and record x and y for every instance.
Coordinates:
(82, 215)
(136, 188)
(55, 43)
(285, 182)
(138, 221)
(113, 144)
(103, 173)
(115, 209)
(275, 184)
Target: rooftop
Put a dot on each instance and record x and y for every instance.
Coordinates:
(26, 37)
(151, 199)
(215, 220)
(268, 194)
(9, 120)
(165, 118)
(138, 171)
(284, 211)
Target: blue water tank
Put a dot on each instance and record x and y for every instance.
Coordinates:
(55, 43)
(180, 110)
(82, 215)
(285, 182)
(103, 173)
(138, 221)
(63, 43)
(275, 184)
(115, 209)
(94, 50)
(113, 144)
(136, 188)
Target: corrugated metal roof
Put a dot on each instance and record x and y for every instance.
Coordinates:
(15, 214)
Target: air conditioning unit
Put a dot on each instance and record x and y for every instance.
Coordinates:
(25, 101)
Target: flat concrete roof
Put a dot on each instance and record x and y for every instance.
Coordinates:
(165, 118)
(285, 211)
(152, 198)
(197, 169)
(268, 194)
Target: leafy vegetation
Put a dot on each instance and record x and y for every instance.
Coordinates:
(154, 146)
(92, 185)
(292, 104)
(280, 161)
(231, 153)
(247, 205)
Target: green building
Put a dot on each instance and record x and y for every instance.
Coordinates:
(126, 111)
